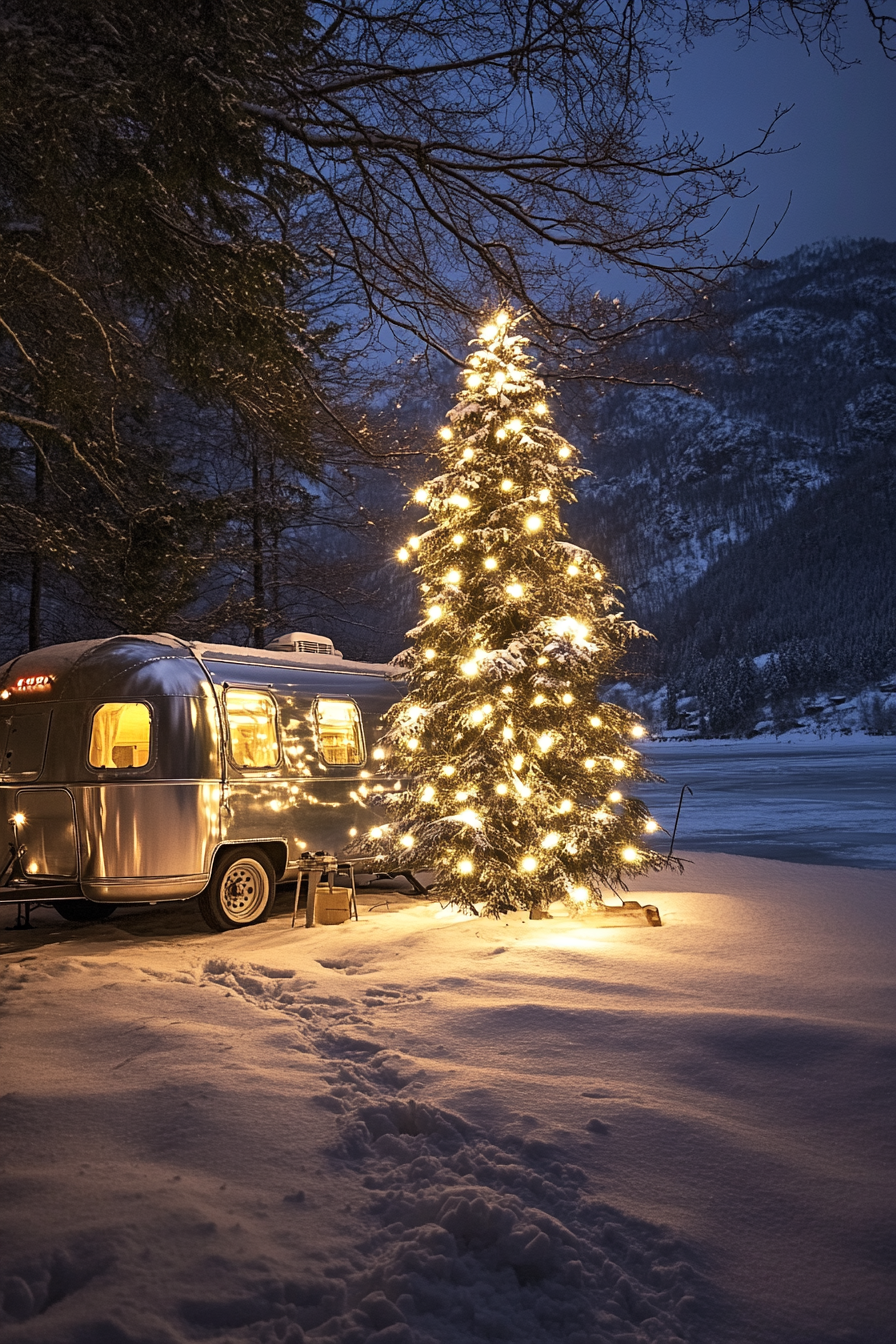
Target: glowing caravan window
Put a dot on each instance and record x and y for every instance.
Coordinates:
(119, 738)
(252, 725)
(340, 738)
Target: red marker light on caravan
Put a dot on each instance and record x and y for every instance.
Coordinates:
(40, 681)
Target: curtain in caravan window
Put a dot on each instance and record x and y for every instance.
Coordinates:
(252, 726)
(339, 736)
(119, 737)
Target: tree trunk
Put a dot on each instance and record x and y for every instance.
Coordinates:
(275, 552)
(258, 557)
(37, 561)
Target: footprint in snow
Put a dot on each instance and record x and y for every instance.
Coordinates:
(376, 996)
(350, 967)
(500, 1238)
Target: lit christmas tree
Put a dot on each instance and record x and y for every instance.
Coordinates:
(517, 793)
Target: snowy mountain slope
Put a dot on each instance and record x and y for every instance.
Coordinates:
(759, 516)
(806, 387)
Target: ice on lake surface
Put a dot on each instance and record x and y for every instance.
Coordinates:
(827, 801)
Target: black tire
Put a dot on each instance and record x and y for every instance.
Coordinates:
(241, 890)
(84, 911)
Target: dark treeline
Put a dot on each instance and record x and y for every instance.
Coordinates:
(815, 590)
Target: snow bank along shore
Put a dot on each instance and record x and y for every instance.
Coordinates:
(423, 1127)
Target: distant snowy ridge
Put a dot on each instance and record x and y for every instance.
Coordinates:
(758, 518)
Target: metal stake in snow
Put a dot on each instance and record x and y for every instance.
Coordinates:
(677, 815)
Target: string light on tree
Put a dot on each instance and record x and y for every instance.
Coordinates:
(503, 665)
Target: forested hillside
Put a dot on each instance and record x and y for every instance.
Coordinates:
(758, 519)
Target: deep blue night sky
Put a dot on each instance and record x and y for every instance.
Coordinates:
(843, 172)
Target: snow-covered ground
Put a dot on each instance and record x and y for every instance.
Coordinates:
(422, 1127)
(800, 799)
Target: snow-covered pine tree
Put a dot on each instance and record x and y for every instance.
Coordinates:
(518, 777)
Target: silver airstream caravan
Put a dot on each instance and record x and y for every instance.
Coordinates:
(146, 768)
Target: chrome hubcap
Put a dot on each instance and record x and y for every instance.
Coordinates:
(244, 891)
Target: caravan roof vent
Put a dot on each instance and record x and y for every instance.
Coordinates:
(299, 642)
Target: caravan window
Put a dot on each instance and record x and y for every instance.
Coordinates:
(119, 738)
(340, 738)
(23, 742)
(252, 726)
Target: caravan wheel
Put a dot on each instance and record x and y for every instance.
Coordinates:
(241, 890)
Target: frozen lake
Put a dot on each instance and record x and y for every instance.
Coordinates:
(806, 801)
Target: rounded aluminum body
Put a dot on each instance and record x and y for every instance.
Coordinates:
(152, 831)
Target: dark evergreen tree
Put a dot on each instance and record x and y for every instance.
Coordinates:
(730, 695)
